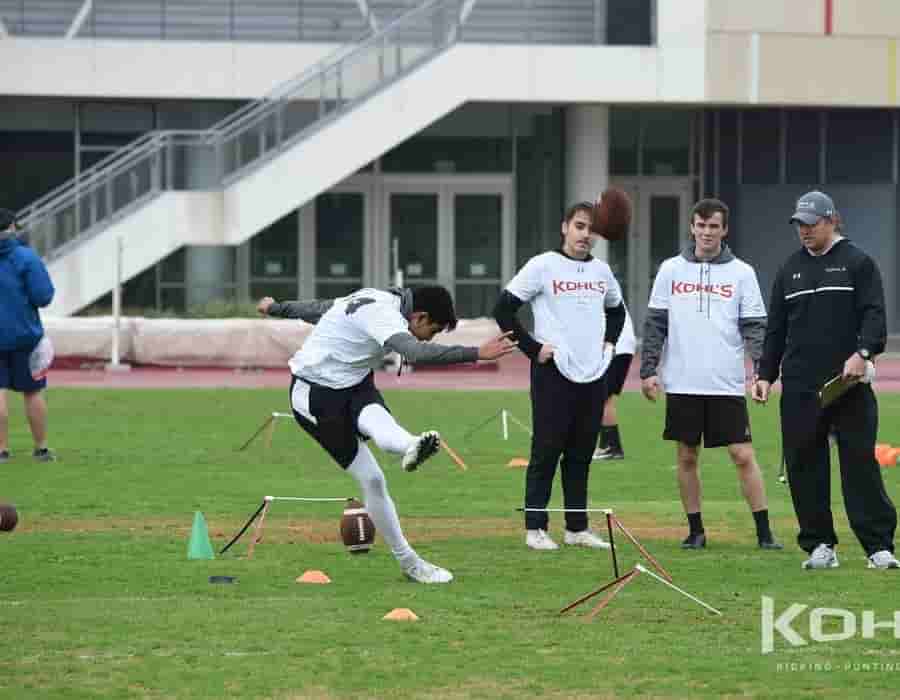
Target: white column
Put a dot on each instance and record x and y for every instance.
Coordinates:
(209, 271)
(587, 156)
(306, 222)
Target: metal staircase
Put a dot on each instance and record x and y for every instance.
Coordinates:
(165, 161)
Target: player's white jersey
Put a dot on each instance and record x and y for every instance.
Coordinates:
(569, 299)
(627, 343)
(348, 341)
(704, 350)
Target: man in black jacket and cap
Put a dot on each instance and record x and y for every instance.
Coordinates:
(827, 319)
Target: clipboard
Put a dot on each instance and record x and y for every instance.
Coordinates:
(834, 389)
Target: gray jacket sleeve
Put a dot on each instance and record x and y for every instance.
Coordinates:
(753, 332)
(310, 311)
(417, 352)
(656, 330)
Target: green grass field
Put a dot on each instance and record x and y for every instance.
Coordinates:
(98, 599)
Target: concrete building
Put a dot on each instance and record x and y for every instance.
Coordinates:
(308, 147)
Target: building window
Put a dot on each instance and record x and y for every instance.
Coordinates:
(624, 137)
(667, 142)
(728, 140)
(630, 22)
(803, 147)
(860, 146)
(760, 146)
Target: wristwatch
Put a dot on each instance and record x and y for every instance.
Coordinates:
(864, 354)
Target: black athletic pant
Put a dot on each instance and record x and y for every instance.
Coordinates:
(805, 427)
(566, 419)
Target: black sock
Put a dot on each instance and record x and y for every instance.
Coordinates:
(605, 439)
(761, 518)
(615, 442)
(695, 522)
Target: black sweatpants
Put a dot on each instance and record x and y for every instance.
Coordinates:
(566, 419)
(805, 427)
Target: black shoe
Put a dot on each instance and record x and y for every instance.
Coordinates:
(44, 454)
(607, 453)
(770, 544)
(694, 541)
(4, 456)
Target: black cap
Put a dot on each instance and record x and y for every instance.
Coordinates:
(7, 218)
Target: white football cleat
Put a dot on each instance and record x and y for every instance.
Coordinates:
(540, 540)
(883, 560)
(423, 572)
(585, 538)
(424, 446)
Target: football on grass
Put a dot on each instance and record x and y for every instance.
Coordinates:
(9, 518)
(611, 215)
(357, 528)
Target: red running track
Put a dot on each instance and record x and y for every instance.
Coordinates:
(509, 373)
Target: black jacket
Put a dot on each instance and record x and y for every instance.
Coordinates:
(822, 310)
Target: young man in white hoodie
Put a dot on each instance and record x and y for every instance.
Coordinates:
(705, 308)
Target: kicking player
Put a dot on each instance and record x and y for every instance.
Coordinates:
(334, 398)
(705, 307)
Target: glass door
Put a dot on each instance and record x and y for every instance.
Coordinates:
(340, 225)
(414, 229)
(659, 230)
(479, 222)
(456, 232)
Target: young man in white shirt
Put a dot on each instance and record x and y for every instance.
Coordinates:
(578, 316)
(334, 398)
(705, 307)
(610, 444)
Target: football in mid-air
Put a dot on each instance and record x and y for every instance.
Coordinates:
(611, 215)
(9, 517)
(357, 528)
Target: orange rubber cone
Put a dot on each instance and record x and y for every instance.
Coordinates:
(517, 462)
(313, 576)
(401, 614)
(880, 450)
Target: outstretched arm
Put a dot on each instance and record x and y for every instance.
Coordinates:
(418, 352)
(310, 311)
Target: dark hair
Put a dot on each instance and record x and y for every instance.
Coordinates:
(586, 207)
(437, 303)
(707, 208)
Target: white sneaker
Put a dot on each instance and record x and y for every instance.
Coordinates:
(423, 572)
(539, 539)
(822, 557)
(883, 560)
(585, 538)
(425, 446)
